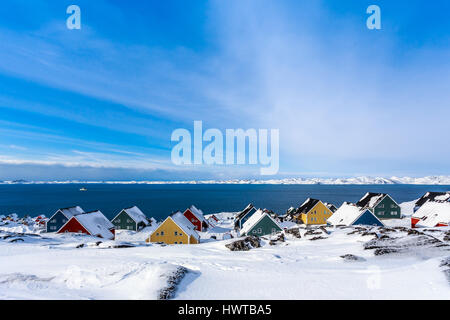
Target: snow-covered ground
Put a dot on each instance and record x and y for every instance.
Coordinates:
(50, 266)
(364, 180)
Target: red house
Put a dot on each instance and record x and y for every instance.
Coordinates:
(432, 214)
(195, 216)
(91, 223)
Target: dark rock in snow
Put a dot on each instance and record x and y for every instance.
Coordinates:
(213, 237)
(295, 232)
(318, 238)
(383, 251)
(81, 245)
(16, 240)
(280, 238)
(367, 233)
(351, 257)
(244, 244)
(173, 281)
(324, 229)
(413, 231)
(312, 232)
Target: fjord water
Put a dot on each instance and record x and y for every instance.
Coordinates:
(159, 201)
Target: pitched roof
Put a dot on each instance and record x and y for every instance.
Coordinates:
(370, 199)
(137, 215)
(347, 214)
(254, 219)
(431, 213)
(197, 212)
(71, 212)
(96, 224)
(307, 205)
(244, 212)
(440, 196)
(331, 206)
(181, 221)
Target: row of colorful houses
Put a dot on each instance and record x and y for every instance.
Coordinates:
(431, 210)
(94, 223)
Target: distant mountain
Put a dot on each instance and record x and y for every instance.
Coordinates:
(365, 180)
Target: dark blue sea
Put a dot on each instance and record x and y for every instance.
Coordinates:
(158, 201)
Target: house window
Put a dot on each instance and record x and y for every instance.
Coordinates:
(382, 205)
(176, 242)
(393, 213)
(181, 234)
(193, 220)
(381, 213)
(393, 206)
(130, 228)
(181, 242)
(157, 233)
(64, 220)
(162, 233)
(118, 220)
(176, 233)
(128, 221)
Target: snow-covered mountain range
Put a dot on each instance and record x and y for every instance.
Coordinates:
(364, 180)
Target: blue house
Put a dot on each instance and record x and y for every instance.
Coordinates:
(243, 216)
(350, 214)
(61, 217)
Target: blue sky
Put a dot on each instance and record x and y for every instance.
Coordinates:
(102, 102)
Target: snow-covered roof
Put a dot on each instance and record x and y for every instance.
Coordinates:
(136, 214)
(431, 196)
(184, 224)
(96, 223)
(197, 212)
(308, 205)
(346, 214)
(254, 219)
(370, 199)
(243, 213)
(71, 212)
(432, 213)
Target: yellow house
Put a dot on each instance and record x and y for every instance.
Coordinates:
(176, 229)
(313, 211)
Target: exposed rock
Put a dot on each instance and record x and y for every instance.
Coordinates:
(318, 238)
(16, 240)
(295, 232)
(351, 257)
(81, 245)
(312, 232)
(383, 251)
(324, 229)
(173, 280)
(280, 238)
(367, 233)
(386, 230)
(244, 244)
(413, 231)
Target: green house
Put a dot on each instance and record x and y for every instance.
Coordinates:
(260, 224)
(130, 219)
(381, 205)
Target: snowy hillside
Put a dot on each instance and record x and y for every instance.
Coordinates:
(394, 262)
